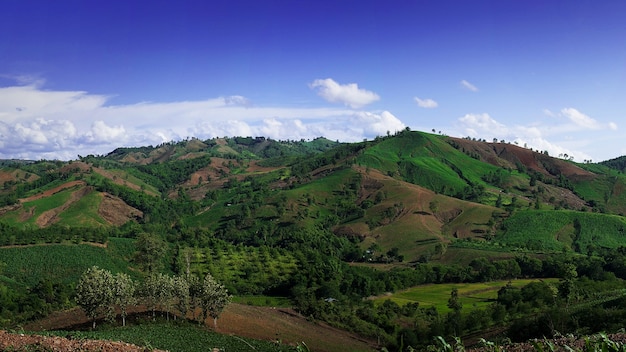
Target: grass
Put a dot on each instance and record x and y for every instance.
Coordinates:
(84, 212)
(174, 337)
(471, 295)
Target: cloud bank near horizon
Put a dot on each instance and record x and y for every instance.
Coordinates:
(43, 124)
(555, 137)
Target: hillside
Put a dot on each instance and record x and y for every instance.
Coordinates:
(319, 223)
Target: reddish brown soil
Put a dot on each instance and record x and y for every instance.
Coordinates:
(508, 155)
(116, 212)
(112, 209)
(6, 176)
(23, 342)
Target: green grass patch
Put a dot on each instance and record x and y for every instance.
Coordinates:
(37, 207)
(471, 295)
(84, 212)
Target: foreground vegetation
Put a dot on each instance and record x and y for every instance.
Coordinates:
(175, 336)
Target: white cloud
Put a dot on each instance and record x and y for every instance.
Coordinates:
(426, 103)
(580, 119)
(552, 138)
(102, 133)
(478, 125)
(583, 121)
(37, 123)
(467, 85)
(349, 94)
(377, 124)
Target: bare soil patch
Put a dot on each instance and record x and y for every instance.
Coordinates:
(23, 342)
(116, 212)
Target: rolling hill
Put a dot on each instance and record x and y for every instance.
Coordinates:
(309, 220)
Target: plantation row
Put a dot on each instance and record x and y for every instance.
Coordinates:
(247, 270)
(13, 236)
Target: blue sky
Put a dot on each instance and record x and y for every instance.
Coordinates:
(85, 77)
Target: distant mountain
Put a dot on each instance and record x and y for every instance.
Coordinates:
(413, 196)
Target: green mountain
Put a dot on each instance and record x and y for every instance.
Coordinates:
(308, 219)
(414, 191)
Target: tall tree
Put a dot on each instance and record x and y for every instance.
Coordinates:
(153, 291)
(181, 291)
(123, 294)
(214, 298)
(94, 293)
(150, 252)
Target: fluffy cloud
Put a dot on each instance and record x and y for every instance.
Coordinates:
(349, 94)
(557, 139)
(101, 133)
(44, 124)
(426, 103)
(477, 125)
(467, 85)
(377, 124)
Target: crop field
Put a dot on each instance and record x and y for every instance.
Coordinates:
(554, 230)
(57, 262)
(244, 270)
(183, 337)
(471, 295)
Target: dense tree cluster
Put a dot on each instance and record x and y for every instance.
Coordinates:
(100, 294)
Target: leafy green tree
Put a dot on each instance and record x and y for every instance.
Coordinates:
(454, 318)
(214, 298)
(94, 293)
(157, 291)
(181, 292)
(150, 252)
(123, 293)
(454, 302)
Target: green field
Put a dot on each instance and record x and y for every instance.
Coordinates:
(471, 295)
(174, 337)
(63, 262)
(556, 230)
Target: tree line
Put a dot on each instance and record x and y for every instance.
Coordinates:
(101, 293)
